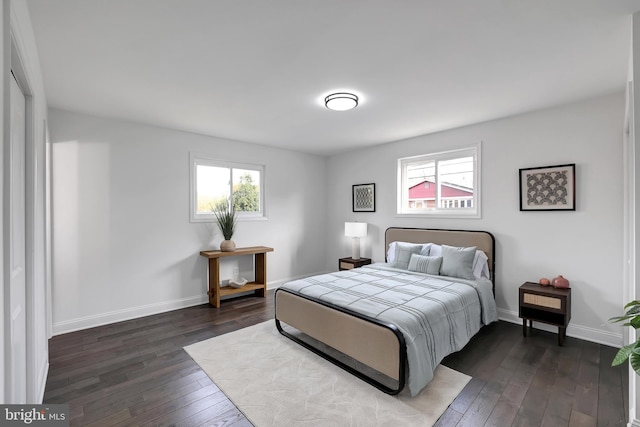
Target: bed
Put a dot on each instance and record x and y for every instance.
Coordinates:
(392, 323)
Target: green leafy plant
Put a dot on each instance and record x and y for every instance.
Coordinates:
(226, 217)
(630, 351)
(246, 195)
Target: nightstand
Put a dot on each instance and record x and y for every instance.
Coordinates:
(545, 304)
(349, 263)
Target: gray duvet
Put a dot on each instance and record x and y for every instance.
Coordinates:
(437, 315)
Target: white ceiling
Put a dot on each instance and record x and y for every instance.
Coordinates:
(256, 70)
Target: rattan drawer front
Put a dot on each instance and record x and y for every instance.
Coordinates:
(346, 265)
(543, 301)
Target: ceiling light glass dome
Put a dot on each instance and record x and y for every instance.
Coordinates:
(341, 101)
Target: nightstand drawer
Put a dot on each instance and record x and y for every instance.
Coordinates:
(350, 263)
(542, 301)
(346, 265)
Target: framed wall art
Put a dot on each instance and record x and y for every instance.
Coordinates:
(364, 197)
(548, 188)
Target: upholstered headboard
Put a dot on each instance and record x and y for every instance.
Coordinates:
(483, 240)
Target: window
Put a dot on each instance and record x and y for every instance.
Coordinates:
(440, 184)
(215, 181)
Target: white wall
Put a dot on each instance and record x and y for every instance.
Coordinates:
(123, 243)
(585, 246)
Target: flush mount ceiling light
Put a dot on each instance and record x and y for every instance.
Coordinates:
(341, 101)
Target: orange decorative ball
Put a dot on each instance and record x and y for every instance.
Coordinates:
(544, 281)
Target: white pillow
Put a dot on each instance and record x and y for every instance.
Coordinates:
(391, 253)
(436, 250)
(480, 265)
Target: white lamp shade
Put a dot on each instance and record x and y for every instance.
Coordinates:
(355, 229)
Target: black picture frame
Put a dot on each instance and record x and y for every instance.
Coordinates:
(548, 188)
(363, 197)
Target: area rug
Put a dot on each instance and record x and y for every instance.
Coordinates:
(276, 382)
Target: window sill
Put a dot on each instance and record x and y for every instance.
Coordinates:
(444, 215)
(239, 219)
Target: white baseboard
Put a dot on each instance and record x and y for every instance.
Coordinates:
(43, 381)
(145, 310)
(125, 314)
(576, 331)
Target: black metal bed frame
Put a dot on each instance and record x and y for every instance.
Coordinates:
(379, 385)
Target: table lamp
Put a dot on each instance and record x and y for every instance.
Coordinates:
(355, 230)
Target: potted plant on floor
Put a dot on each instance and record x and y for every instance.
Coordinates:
(226, 218)
(630, 351)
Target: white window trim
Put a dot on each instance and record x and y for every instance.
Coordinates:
(474, 150)
(196, 159)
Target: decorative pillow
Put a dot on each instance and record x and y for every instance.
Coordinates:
(403, 252)
(480, 265)
(391, 253)
(425, 264)
(458, 262)
(426, 249)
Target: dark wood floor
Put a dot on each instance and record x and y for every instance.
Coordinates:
(136, 373)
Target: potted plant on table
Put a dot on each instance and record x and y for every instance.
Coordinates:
(226, 218)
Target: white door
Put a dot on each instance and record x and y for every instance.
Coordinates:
(16, 372)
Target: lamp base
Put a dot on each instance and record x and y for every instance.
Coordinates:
(355, 249)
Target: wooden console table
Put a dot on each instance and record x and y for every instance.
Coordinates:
(260, 266)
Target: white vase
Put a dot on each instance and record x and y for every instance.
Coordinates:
(227, 246)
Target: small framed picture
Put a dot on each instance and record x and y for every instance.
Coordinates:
(364, 197)
(548, 188)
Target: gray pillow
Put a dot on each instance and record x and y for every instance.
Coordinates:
(425, 264)
(458, 262)
(403, 254)
(391, 253)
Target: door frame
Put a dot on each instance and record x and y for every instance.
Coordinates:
(16, 59)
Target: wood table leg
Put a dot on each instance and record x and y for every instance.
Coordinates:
(261, 273)
(214, 282)
(524, 328)
(562, 333)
